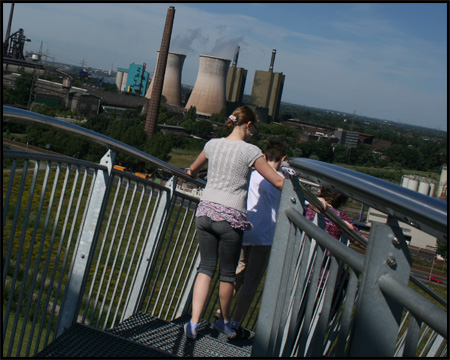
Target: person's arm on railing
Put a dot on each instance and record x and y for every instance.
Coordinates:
(197, 165)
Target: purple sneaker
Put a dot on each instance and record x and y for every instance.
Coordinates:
(190, 331)
(224, 328)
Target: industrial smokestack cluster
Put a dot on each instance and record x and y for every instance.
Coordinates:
(216, 83)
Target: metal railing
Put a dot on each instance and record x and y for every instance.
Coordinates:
(332, 301)
(83, 242)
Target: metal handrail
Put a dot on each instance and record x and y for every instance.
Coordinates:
(29, 117)
(421, 211)
(404, 203)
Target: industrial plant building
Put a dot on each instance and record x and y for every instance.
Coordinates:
(267, 89)
(347, 138)
(236, 78)
(134, 79)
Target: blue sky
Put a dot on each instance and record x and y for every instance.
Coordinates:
(382, 60)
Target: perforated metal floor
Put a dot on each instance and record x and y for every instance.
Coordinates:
(83, 341)
(143, 335)
(169, 337)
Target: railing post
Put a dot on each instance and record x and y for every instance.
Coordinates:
(276, 288)
(85, 247)
(143, 268)
(377, 317)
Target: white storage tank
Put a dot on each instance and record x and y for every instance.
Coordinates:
(424, 186)
(432, 187)
(413, 184)
(405, 180)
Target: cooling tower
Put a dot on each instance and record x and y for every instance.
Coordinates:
(208, 95)
(172, 79)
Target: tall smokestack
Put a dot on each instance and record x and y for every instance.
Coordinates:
(272, 60)
(172, 79)
(236, 55)
(208, 94)
(158, 78)
(8, 31)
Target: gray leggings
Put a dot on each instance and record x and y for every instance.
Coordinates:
(218, 239)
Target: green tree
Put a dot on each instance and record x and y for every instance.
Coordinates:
(442, 248)
(364, 155)
(159, 145)
(221, 117)
(396, 154)
(323, 150)
(99, 123)
(191, 114)
(340, 154)
(110, 88)
(203, 129)
(188, 125)
(23, 88)
(163, 115)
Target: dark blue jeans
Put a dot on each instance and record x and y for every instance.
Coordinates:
(218, 239)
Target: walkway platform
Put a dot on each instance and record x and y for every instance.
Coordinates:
(143, 335)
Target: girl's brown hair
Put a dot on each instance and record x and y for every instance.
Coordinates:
(243, 115)
(333, 198)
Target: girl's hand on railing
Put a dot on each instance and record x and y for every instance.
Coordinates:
(324, 203)
(191, 173)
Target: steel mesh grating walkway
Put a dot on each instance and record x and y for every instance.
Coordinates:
(169, 337)
(143, 335)
(83, 341)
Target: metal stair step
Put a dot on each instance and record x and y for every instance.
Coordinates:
(84, 341)
(169, 336)
(206, 329)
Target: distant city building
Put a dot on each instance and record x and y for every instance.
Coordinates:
(347, 138)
